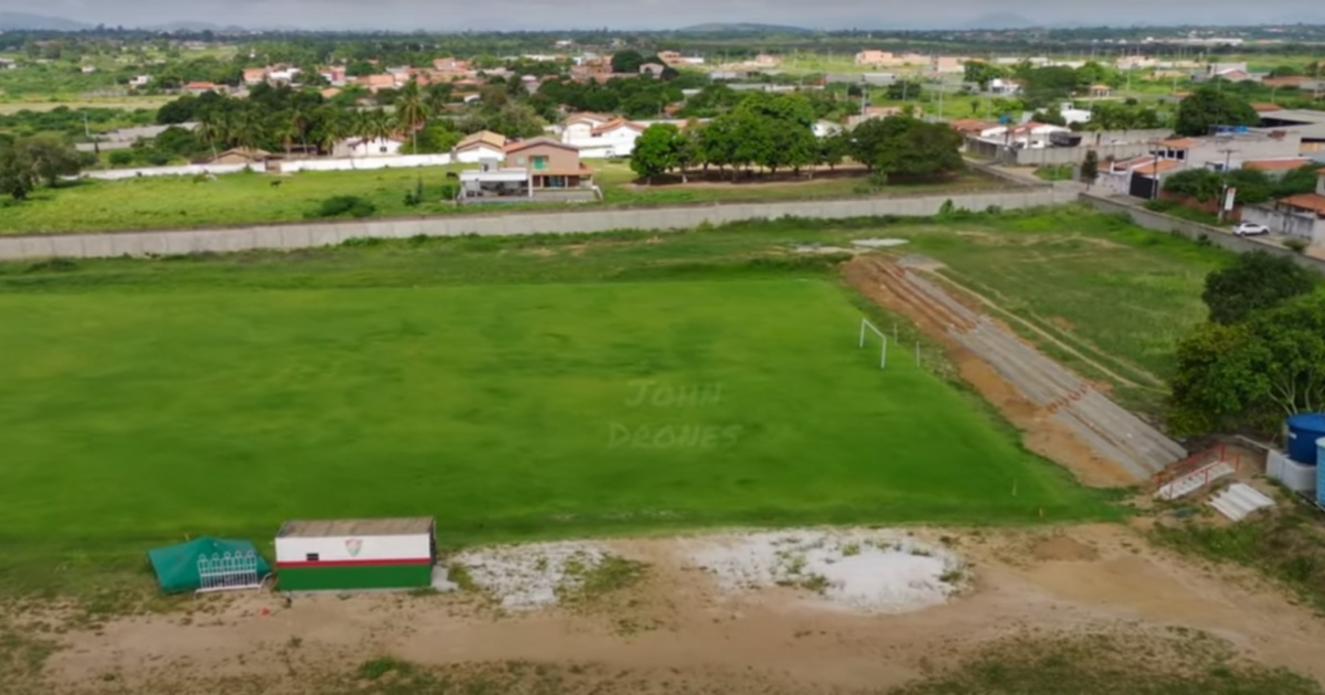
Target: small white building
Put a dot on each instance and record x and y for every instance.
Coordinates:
(601, 137)
(1003, 87)
(483, 146)
(355, 554)
(1071, 114)
(824, 128)
(366, 147)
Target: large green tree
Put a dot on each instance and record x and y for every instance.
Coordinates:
(1250, 376)
(1199, 113)
(26, 163)
(982, 73)
(1253, 283)
(907, 147)
(657, 150)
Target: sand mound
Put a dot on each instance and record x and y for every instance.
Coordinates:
(868, 571)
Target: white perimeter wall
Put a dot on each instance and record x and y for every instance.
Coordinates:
(333, 548)
(404, 161)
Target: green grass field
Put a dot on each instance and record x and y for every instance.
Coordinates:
(249, 198)
(495, 384)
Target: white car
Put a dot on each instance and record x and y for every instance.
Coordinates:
(1251, 229)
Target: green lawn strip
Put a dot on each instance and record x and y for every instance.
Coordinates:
(251, 198)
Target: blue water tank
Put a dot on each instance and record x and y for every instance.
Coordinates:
(1320, 471)
(1303, 431)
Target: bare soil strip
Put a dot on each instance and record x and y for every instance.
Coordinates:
(1039, 395)
(678, 629)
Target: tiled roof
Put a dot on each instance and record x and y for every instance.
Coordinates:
(1275, 164)
(1306, 201)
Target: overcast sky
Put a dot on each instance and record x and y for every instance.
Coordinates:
(456, 15)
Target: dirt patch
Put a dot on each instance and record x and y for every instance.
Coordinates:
(691, 634)
(1063, 549)
(1042, 434)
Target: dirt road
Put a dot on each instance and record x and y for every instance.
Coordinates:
(677, 630)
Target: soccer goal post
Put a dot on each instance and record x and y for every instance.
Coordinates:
(865, 329)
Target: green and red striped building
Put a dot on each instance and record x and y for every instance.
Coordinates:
(355, 554)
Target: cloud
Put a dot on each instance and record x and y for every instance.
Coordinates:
(653, 14)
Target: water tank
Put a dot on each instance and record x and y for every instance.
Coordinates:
(1303, 431)
(1320, 471)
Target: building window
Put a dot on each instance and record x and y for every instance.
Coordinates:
(311, 557)
(540, 163)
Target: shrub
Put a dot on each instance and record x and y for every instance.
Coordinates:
(121, 158)
(1297, 245)
(345, 205)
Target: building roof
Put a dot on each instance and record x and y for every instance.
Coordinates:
(1163, 166)
(254, 154)
(1276, 164)
(1313, 202)
(588, 117)
(356, 527)
(541, 140)
(1286, 81)
(615, 124)
(971, 125)
(482, 137)
(1178, 143)
(1298, 116)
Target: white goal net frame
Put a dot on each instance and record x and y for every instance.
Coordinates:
(865, 329)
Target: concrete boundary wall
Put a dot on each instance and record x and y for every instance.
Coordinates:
(1222, 238)
(296, 236)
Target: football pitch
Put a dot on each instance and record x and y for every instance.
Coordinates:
(137, 416)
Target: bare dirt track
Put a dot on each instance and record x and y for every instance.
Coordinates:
(678, 631)
(1065, 418)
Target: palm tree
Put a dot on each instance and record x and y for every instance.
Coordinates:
(286, 130)
(412, 112)
(212, 128)
(299, 121)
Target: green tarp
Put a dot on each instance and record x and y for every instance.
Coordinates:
(177, 566)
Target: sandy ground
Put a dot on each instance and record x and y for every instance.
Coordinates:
(678, 629)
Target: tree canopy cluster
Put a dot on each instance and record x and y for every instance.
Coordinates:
(26, 163)
(1260, 358)
(1252, 186)
(775, 132)
(1209, 107)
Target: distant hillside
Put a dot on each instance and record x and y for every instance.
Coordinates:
(742, 28)
(22, 21)
(998, 20)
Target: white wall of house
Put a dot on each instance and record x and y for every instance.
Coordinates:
(617, 142)
(404, 161)
(377, 147)
(479, 153)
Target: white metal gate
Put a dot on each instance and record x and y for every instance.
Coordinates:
(228, 571)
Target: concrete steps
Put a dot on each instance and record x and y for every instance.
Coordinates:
(1238, 501)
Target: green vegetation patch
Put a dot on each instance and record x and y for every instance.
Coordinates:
(1176, 662)
(1286, 545)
